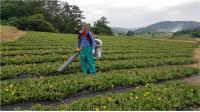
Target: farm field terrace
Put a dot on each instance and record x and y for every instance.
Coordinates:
(29, 64)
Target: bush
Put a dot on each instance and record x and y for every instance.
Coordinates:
(4, 22)
(130, 33)
(193, 32)
(35, 23)
(20, 23)
(196, 34)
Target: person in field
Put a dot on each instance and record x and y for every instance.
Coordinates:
(86, 47)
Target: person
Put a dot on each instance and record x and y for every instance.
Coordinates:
(86, 47)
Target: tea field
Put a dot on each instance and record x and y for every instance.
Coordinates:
(152, 69)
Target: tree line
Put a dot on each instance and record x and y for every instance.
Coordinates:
(48, 15)
(195, 33)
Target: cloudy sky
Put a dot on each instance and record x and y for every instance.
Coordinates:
(138, 13)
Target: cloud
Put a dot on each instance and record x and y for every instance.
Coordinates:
(139, 13)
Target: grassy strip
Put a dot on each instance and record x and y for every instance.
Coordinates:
(169, 96)
(12, 71)
(58, 87)
(11, 53)
(30, 59)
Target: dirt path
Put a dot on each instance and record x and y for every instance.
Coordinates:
(195, 80)
(9, 33)
(197, 58)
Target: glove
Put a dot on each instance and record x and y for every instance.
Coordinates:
(78, 49)
(93, 51)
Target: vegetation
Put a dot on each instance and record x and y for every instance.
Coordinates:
(138, 61)
(33, 55)
(42, 15)
(56, 88)
(170, 96)
(191, 32)
(130, 33)
(147, 72)
(35, 22)
(100, 27)
(47, 16)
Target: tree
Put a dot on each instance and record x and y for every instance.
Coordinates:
(100, 27)
(130, 33)
(64, 17)
(20, 8)
(192, 32)
(73, 18)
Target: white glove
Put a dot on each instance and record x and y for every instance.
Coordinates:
(93, 51)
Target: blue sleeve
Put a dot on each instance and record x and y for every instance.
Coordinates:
(92, 40)
(79, 42)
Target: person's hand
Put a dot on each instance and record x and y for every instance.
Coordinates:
(78, 49)
(93, 51)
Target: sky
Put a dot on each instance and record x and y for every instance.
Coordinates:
(138, 13)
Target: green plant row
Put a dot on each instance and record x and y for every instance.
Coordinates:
(37, 39)
(11, 53)
(58, 87)
(126, 56)
(169, 96)
(12, 71)
(66, 41)
(32, 47)
(69, 45)
(30, 59)
(29, 43)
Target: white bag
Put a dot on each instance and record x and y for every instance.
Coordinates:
(98, 48)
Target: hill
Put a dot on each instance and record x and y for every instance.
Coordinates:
(120, 30)
(169, 26)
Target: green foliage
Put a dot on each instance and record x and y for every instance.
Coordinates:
(192, 32)
(100, 27)
(136, 62)
(58, 87)
(58, 14)
(38, 23)
(170, 96)
(20, 8)
(37, 55)
(196, 34)
(35, 22)
(130, 33)
(5, 22)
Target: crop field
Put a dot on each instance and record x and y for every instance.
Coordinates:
(153, 70)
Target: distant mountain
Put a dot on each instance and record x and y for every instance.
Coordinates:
(169, 26)
(120, 30)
